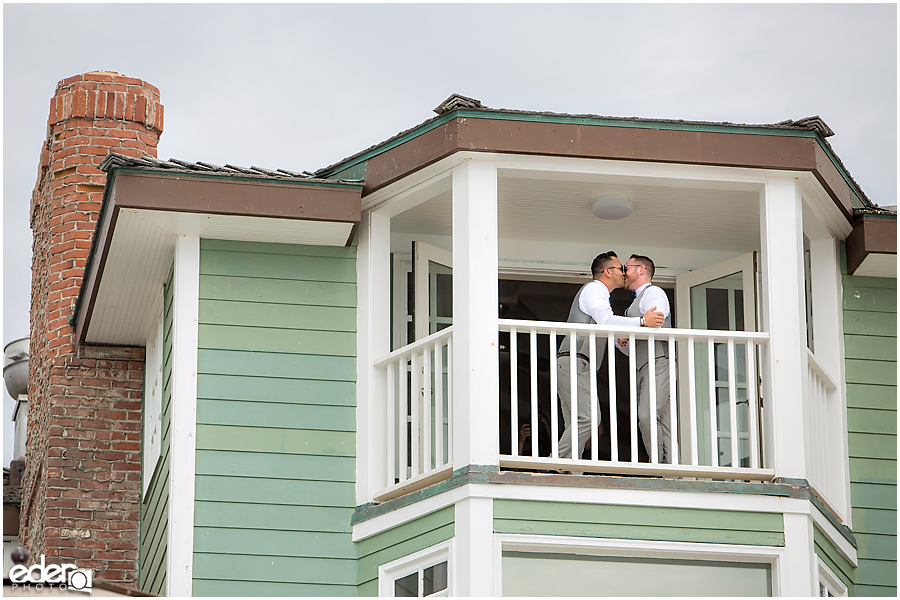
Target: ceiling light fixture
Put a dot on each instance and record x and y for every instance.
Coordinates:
(612, 208)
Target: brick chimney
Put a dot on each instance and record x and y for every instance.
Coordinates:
(81, 487)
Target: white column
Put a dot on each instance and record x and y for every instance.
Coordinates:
(781, 264)
(473, 549)
(185, 323)
(798, 571)
(476, 420)
(373, 342)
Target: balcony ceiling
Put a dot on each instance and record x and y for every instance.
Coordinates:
(547, 209)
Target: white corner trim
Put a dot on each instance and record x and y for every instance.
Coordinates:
(186, 284)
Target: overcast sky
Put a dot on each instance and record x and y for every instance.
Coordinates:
(300, 87)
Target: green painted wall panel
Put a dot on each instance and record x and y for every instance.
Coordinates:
(869, 445)
(268, 339)
(839, 565)
(875, 519)
(400, 541)
(276, 414)
(870, 299)
(878, 572)
(873, 470)
(869, 347)
(287, 517)
(871, 495)
(285, 316)
(278, 266)
(874, 324)
(255, 589)
(274, 543)
(276, 466)
(872, 396)
(321, 293)
(289, 441)
(274, 490)
(270, 389)
(267, 364)
(279, 249)
(870, 332)
(880, 372)
(278, 569)
(867, 420)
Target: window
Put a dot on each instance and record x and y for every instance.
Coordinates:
(423, 574)
(153, 384)
(830, 586)
(808, 295)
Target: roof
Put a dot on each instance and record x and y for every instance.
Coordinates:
(174, 165)
(458, 103)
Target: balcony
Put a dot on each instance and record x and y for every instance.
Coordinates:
(724, 443)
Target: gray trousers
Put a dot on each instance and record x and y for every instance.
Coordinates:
(583, 391)
(663, 420)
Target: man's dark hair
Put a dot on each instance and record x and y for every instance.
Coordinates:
(645, 260)
(602, 261)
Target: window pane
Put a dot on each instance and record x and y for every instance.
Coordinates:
(435, 579)
(407, 587)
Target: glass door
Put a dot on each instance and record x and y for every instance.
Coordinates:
(719, 297)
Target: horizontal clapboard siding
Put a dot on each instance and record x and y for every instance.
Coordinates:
(276, 421)
(870, 347)
(155, 505)
(401, 541)
(638, 522)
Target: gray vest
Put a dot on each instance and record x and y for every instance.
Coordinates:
(581, 341)
(640, 346)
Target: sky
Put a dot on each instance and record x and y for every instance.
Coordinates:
(301, 86)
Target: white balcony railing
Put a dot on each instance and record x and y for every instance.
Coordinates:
(824, 430)
(714, 405)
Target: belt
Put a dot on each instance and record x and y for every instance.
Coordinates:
(579, 355)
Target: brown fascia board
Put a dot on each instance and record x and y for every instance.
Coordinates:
(872, 234)
(760, 151)
(218, 195)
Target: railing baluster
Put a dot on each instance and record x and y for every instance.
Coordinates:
(713, 404)
(415, 395)
(732, 405)
(514, 390)
(613, 424)
(692, 404)
(673, 406)
(449, 400)
(554, 415)
(438, 404)
(402, 417)
(426, 409)
(654, 429)
(632, 394)
(573, 396)
(535, 422)
(592, 354)
(391, 425)
(753, 405)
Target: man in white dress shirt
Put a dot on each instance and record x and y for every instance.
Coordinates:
(639, 271)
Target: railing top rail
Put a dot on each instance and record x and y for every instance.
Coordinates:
(410, 349)
(760, 337)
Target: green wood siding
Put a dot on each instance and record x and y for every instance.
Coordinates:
(155, 505)
(870, 347)
(276, 421)
(400, 541)
(839, 565)
(638, 522)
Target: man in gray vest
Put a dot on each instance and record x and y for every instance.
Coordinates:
(591, 305)
(639, 272)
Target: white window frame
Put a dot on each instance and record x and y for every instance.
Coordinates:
(830, 581)
(611, 547)
(390, 572)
